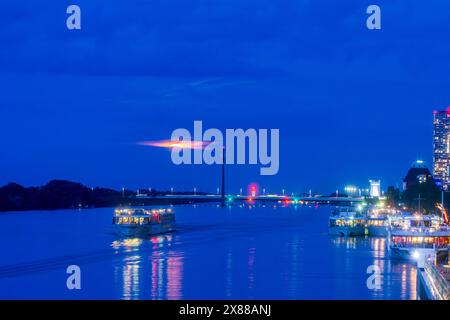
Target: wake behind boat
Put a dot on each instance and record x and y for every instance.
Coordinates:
(142, 222)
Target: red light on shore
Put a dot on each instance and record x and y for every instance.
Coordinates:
(250, 201)
(435, 112)
(252, 190)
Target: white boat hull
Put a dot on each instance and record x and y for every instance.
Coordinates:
(144, 230)
(417, 255)
(400, 253)
(377, 231)
(347, 231)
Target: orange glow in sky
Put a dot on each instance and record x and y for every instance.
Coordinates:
(175, 144)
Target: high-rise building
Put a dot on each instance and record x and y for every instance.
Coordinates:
(441, 148)
(417, 174)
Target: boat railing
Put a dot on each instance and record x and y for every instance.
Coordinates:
(439, 279)
(420, 245)
(425, 230)
(347, 215)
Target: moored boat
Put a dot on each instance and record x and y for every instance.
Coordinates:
(377, 221)
(377, 226)
(346, 222)
(417, 237)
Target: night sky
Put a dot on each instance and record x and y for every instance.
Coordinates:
(351, 103)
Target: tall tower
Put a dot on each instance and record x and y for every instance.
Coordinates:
(375, 188)
(441, 147)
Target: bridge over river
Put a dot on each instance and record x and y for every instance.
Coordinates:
(193, 198)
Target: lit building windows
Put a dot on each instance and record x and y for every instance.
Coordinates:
(441, 147)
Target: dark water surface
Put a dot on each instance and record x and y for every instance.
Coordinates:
(216, 253)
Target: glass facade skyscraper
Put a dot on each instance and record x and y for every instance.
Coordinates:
(441, 148)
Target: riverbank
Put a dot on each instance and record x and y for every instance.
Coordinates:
(61, 194)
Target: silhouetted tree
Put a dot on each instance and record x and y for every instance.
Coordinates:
(429, 193)
(392, 196)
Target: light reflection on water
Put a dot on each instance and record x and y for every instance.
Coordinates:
(161, 259)
(393, 272)
(301, 262)
(166, 268)
(216, 253)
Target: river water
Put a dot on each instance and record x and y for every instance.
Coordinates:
(238, 252)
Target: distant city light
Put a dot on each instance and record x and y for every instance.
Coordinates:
(351, 189)
(252, 190)
(381, 204)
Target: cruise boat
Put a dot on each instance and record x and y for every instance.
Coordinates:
(377, 221)
(347, 222)
(142, 222)
(417, 237)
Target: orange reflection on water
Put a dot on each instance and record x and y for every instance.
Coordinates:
(408, 282)
(348, 242)
(127, 243)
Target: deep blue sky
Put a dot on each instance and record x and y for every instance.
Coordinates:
(351, 104)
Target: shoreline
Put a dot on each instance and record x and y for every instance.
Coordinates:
(133, 203)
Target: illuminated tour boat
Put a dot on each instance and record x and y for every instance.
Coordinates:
(142, 222)
(377, 221)
(417, 237)
(347, 222)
